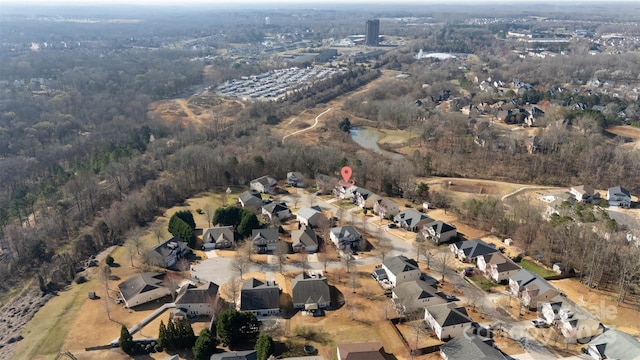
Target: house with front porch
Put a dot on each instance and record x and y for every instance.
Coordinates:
(219, 237)
(411, 219)
(531, 289)
(310, 291)
(264, 240)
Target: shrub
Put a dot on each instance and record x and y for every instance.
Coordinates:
(80, 279)
(109, 260)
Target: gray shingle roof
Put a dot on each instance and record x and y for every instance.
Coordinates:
(268, 235)
(307, 289)
(615, 344)
(203, 295)
(257, 295)
(265, 180)
(308, 211)
(399, 264)
(218, 234)
(417, 290)
(470, 348)
(143, 288)
(306, 237)
(411, 217)
(474, 248)
(251, 198)
(440, 226)
(236, 355)
(449, 314)
(342, 232)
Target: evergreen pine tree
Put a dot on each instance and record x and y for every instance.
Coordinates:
(171, 336)
(205, 345)
(162, 335)
(126, 340)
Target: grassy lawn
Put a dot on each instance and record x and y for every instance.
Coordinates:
(345, 204)
(483, 282)
(48, 329)
(535, 268)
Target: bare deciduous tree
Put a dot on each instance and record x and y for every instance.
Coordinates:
(384, 246)
(231, 290)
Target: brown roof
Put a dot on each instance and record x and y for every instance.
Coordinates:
(361, 351)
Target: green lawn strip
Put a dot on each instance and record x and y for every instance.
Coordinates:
(535, 268)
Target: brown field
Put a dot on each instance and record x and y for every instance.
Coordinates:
(625, 131)
(603, 305)
(199, 110)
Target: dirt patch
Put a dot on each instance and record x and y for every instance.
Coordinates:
(602, 305)
(625, 131)
(206, 110)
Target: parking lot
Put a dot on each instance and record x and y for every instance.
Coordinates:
(274, 85)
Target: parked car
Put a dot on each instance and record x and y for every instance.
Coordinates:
(451, 298)
(392, 226)
(539, 323)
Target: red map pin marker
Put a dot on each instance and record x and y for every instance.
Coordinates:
(346, 175)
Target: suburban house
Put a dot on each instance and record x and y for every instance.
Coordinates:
(167, 253)
(385, 208)
(345, 192)
(417, 294)
(198, 301)
(143, 288)
(575, 323)
(470, 347)
(295, 179)
(531, 289)
(219, 237)
(264, 184)
(310, 292)
(411, 219)
(236, 355)
(275, 209)
(304, 240)
(345, 237)
(325, 183)
(250, 200)
(469, 250)
(584, 193)
(365, 199)
(399, 269)
(497, 266)
(311, 216)
(614, 344)
(361, 351)
(264, 240)
(448, 320)
(439, 231)
(619, 196)
(261, 298)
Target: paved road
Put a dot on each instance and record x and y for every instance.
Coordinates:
(219, 270)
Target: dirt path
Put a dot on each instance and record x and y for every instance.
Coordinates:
(310, 127)
(185, 107)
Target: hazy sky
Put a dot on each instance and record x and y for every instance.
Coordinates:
(278, 2)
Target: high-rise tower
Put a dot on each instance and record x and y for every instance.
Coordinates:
(372, 32)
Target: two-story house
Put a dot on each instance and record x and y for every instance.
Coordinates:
(447, 320)
(619, 196)
(264, 240)
(198, 301)
(345, 237)
(310, 291)
(275, 210)
(531, 289)
(167, 253)
(439, 231)
(250, 200)
(219, 237)
(311, 216)
(295, 179)
(400, 269)
(385, 208)
(469, 250)
(497, 266)
(264, 184)
(304, 240)
(416, 294)
(411, 219)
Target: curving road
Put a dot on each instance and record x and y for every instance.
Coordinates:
(310, 127)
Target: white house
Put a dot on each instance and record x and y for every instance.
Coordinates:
(345, 237)
(399, 269)
(469, 250)
(439, 231)
(385, 208)
(584, 193)
(531, 289)
(311, 216)
(264, 184)
(448, 320)
(619, 196)
(614, 344)
(497, 266)
(198, 301)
